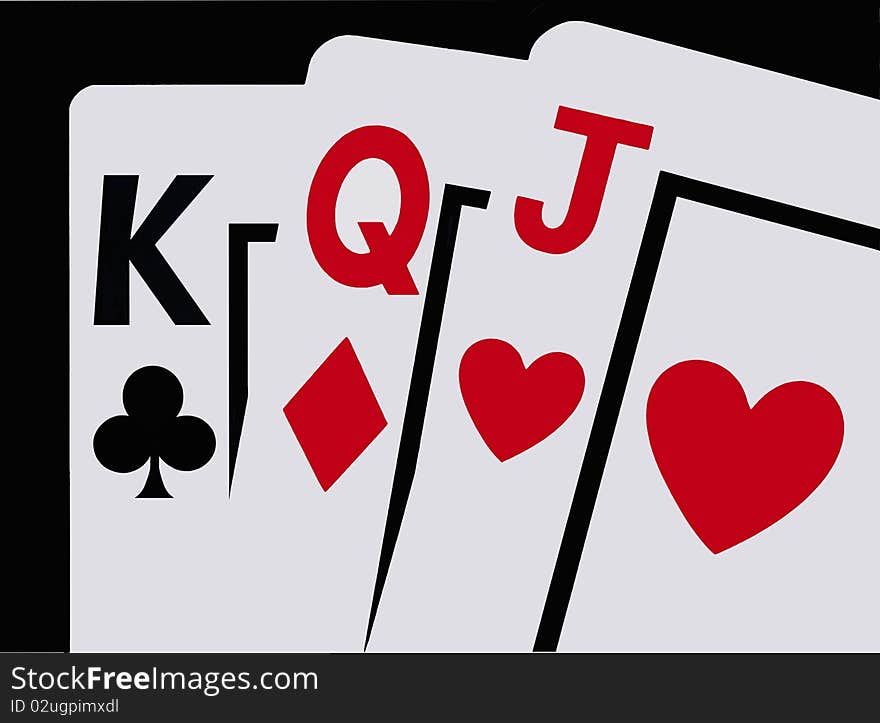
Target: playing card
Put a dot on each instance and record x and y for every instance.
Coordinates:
(329, 541)
(368, 326)
(502, 447)
(301, 374)
(734, 510)
(690, 546)
(157, 174)
(465, 110)
(479, 144)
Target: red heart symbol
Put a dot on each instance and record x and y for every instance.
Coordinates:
(514, 407)
(735, 470)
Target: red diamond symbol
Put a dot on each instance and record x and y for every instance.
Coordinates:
(335, 415)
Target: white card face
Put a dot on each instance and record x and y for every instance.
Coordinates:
(771, 304)
(290, 566)
(164, 574)
(467, 512)
(480, 537)
(287, 558)
(329, 542)
(274, 562)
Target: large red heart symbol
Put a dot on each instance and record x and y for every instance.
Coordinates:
(514, 407)
(735, 470)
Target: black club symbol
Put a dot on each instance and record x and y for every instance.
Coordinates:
(152, 430)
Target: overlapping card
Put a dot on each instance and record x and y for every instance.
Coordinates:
(445, 351)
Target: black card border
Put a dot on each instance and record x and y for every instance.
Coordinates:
(669, 189)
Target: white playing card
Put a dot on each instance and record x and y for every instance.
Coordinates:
(480, 537)
(282, 563)
(464, 112)
(771, 304)
(162, 574)
(329, 542)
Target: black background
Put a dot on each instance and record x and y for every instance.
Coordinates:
(49, 51)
